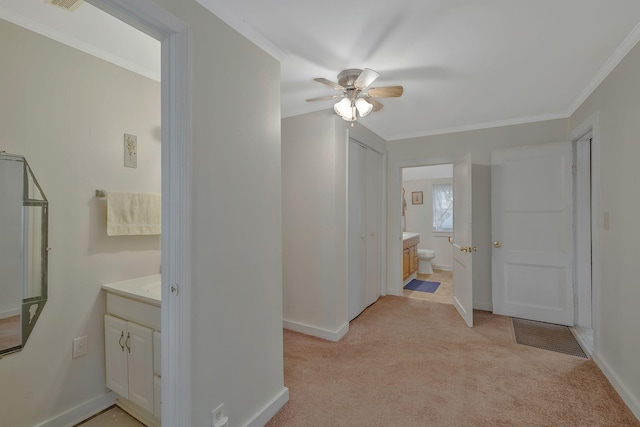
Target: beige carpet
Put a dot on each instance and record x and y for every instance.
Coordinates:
(406, 362)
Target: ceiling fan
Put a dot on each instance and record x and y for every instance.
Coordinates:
(357, 97)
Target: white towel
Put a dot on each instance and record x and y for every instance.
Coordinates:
(133, 214)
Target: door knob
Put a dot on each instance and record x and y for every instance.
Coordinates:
(497, 244)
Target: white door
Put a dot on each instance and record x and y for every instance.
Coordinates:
(357, 230)
(374, 261)
(140, 353)
(462, 241)
(532, 231)
(116, 355)
(365, 231)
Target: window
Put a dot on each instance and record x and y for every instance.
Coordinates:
(443, 207)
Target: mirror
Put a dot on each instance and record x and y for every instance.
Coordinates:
(23, 252)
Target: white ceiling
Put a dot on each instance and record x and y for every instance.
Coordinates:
(464, 64)
(88, 29)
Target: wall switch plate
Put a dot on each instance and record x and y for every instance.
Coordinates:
(79, 346)
(130, 151)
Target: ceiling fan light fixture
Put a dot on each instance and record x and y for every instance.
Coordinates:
(364, 107)
(346, 109)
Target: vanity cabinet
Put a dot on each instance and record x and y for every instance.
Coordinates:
(132, 346)
(410, 255)
(129, 361)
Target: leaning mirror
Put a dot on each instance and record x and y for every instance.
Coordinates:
(23, 252)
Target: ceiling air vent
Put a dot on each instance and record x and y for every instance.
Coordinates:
(69, 5)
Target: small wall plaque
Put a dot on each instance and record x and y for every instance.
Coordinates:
(416, 197)
(130, 151)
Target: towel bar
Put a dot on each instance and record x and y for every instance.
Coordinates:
(101, 193)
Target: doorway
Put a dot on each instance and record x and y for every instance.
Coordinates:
(427, 211)
(542, 233)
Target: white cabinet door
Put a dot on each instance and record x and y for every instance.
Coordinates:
(140, 360)
(115, 355)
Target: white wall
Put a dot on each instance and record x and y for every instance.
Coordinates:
(616, 292)
(446, 149)
(236, 245)
(419, 219)
(66, 112)
(314, 216)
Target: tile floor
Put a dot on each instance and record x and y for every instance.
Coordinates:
(444, 293)
(110, 417)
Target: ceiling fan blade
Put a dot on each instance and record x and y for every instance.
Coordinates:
(329, 83)
(385, 92)
(377, 106)
(366, 77)
(322, 98)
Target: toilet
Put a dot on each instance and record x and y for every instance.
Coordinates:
(424, 261)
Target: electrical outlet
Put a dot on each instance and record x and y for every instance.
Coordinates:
(79, 346)
(217, 417)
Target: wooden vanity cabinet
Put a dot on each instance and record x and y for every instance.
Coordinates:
(410, 256)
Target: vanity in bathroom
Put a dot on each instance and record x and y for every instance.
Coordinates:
(132, 346)
(409, 254)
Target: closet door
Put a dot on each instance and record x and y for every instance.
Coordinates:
(365, 230)
(357, 233)
(372, 219)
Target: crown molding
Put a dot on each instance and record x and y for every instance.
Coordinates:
(612, 62)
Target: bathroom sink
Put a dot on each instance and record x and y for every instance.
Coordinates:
(145, 289)
(408, 235)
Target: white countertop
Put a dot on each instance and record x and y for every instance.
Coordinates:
(408, 235)
(145, 289)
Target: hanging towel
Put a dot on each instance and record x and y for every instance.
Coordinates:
(133, 214)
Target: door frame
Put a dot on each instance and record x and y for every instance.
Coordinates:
(591, 125)
(147, 16)
(394, 215)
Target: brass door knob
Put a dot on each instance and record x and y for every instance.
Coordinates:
(497, 244)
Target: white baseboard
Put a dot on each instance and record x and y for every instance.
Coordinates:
(315, 331)
(483, 306)
(442, 267)
(81, 412)
(270, 409)
(629, 399)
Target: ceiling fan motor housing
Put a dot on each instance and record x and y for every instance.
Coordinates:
(348, 77)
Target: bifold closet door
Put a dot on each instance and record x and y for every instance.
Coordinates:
(357, 232)
(365, 244)
(373, 218)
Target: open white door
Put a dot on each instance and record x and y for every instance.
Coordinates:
(462, 242)
(532, 231)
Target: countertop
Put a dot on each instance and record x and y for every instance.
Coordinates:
(145, 289)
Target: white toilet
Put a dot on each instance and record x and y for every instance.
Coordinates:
(424, 261)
